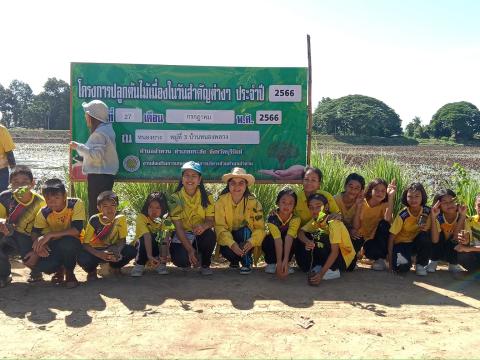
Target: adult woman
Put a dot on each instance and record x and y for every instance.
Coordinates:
(239, 223)
(192, 214)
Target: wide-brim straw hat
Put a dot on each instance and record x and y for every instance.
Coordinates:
(238, 172)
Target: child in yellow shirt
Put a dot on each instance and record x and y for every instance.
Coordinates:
(283, 227)
(409, 233)
(150, 230)
(469, 243)
(333, 250)
(105, 238)
(18, 208)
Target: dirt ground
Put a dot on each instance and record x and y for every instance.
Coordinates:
(364, 314)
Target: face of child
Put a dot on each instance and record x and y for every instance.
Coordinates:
(352, 189)
(286, 204)
(237, 187)
(311, 182)
(19, 181)
(414, 199)
(379, 192)
(190, 180)
(448, 205)
(56, 202)
(108, 208)
(154, 210)
(315, 207)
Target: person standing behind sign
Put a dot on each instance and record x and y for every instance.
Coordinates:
(7, 159)
(100, 158)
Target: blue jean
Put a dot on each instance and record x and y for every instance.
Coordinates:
(239, 236)
(205, 243)
(4, 180)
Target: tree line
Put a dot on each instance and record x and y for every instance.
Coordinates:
(50, 109)
(348, 115)
(363, 115)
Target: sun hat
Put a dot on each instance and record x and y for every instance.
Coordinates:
(238, 172)
(96, 109)
(192, 165)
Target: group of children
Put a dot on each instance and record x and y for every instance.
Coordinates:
(326, 234)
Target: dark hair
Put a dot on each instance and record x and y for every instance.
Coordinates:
(159, 197)
(227, 190)
(441, 193)
(315, 170)
(21, 170)
(355, 177)
(53, 187)
(286, 191)
(371, 185)
(107, 195)
(414, 187)
(318, 197)
(203, 192)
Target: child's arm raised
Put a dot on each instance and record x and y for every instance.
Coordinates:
(460, 225)
(434, 212)
(391, 190)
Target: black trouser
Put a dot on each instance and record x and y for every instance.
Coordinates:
(239, 236)
(307, 259)
(470, 261)
(63, 252)
(4, 178)
(18, 243)
(324, 252)
(97, 183)
(203, 245)
(445, 249)
(142, 258)
(421, 246)
(89, 262)
(376, 248)
(268, 247)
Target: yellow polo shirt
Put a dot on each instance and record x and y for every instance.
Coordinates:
(96, 224)
(276, 227)
(405, 226)
(472, 224)
(25, 221)
(188, 209)
(370, 218)
(347, 214)
(50, 221)
(144, 225)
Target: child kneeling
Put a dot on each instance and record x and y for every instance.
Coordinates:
(332, 250)
(105, 238)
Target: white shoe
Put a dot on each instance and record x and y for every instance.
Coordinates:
(291, 270)
(330, 274)
(270, 268)
(317, 268)
(379, 265)
(432, 266)
(420, 270)
(137, 270)
(162, 269)
(401, 259)
(455, 268)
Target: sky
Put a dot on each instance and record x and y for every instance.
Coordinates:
(414, 55)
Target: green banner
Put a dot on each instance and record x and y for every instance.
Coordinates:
(221, 117)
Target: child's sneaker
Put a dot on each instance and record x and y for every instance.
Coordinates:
(420, 270)
(161, 269)
(379, 265)
(270, 268)
(317, 268)
(454, 268)
(245, 270)
(291, 270)
(137, 270)
(432, 266)
(401, 260)
(206, 271)
(331, 274)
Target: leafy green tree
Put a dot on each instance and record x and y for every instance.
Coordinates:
(6, 105)
(356, 115)
(459, 120)
(57, 95)
(35, 115)
(22, 97)
(415, 129)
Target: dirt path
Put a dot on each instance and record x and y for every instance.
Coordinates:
(363, 315)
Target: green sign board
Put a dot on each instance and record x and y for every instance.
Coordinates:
(221, 117)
